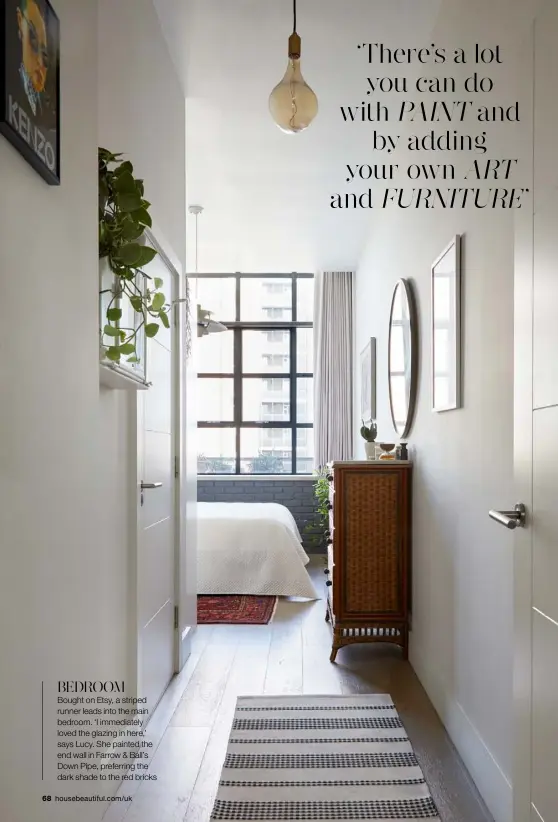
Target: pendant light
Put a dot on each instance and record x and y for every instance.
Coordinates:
(205, 324)
(292, 103)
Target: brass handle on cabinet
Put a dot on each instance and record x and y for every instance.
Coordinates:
(329, 582)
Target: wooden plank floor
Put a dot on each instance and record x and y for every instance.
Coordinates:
(289, 656)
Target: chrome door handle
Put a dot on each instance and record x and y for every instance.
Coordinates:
(510, 519)
(147, 485)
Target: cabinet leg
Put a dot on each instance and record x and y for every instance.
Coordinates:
(405, 648)
(333, 654)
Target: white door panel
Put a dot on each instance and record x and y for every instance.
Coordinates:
(158, 468)
(158, 512)
(156, 574)
(545, 513)
(545, 334)
(546, 111)
(158, 405)
(157, 649)
(545, 717)
(536, 437)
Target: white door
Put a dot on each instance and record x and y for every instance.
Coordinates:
(536, 439)
(158, 526)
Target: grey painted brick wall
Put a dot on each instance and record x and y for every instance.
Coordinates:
(296, 495)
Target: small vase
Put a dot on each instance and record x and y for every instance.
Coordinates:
(370, 449)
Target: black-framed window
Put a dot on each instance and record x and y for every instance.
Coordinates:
(255, 380)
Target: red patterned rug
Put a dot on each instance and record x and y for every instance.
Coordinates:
(235, 610)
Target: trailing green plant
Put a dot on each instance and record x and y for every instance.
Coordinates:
(369, 432)
(317, 529)
(123, 218)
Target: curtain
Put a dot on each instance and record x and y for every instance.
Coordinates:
(333, 367)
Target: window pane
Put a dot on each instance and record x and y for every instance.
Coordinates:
(305, 299)
(305, 400)
(265, 451)
(266, 400)
(215, 353)
(304, 450)
(305, 350)
(216, 450)
(218, 294)
(265, 299)
(261, 355)
(215, 400)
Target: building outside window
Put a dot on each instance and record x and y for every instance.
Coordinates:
(255, 386)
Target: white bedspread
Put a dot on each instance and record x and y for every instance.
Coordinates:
(251, 548)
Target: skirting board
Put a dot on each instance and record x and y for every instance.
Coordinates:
(491, 781)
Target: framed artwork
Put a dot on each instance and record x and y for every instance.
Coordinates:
(446, 328)
(30, 83)
(368, 382)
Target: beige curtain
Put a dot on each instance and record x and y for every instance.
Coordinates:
(333, 367)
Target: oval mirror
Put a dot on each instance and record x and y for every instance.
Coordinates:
(402, 357)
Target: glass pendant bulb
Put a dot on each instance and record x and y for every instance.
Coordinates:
(292, 103)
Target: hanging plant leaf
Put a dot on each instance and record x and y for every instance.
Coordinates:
(128, 202)
(131, 230)
(151, 329)
(123, 168)
(127, 348)
(103, 188)
(146, 255)
(129, 254)
(108, 156)
(124, 183)
(158, 301)
(123, 218)
(143, 217)
(113, 353)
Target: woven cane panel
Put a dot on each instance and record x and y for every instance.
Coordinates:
(372, 542)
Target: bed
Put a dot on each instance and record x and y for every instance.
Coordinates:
(251, 548)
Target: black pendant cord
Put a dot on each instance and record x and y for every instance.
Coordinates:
(294, 16)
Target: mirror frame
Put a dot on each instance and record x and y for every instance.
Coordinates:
(413, 319)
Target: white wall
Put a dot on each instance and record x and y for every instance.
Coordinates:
(142, 108)
(55, 547)
(141, 114)
(462, 637)
(63, 443)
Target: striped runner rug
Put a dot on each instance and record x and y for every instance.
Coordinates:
(334, 758)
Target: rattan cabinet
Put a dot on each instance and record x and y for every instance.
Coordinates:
(368, 573)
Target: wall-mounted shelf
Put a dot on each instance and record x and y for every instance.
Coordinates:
(118, 378)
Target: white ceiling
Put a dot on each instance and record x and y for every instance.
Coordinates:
(266, 194)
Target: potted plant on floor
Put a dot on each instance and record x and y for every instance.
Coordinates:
(369, 434)
(318, 528)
